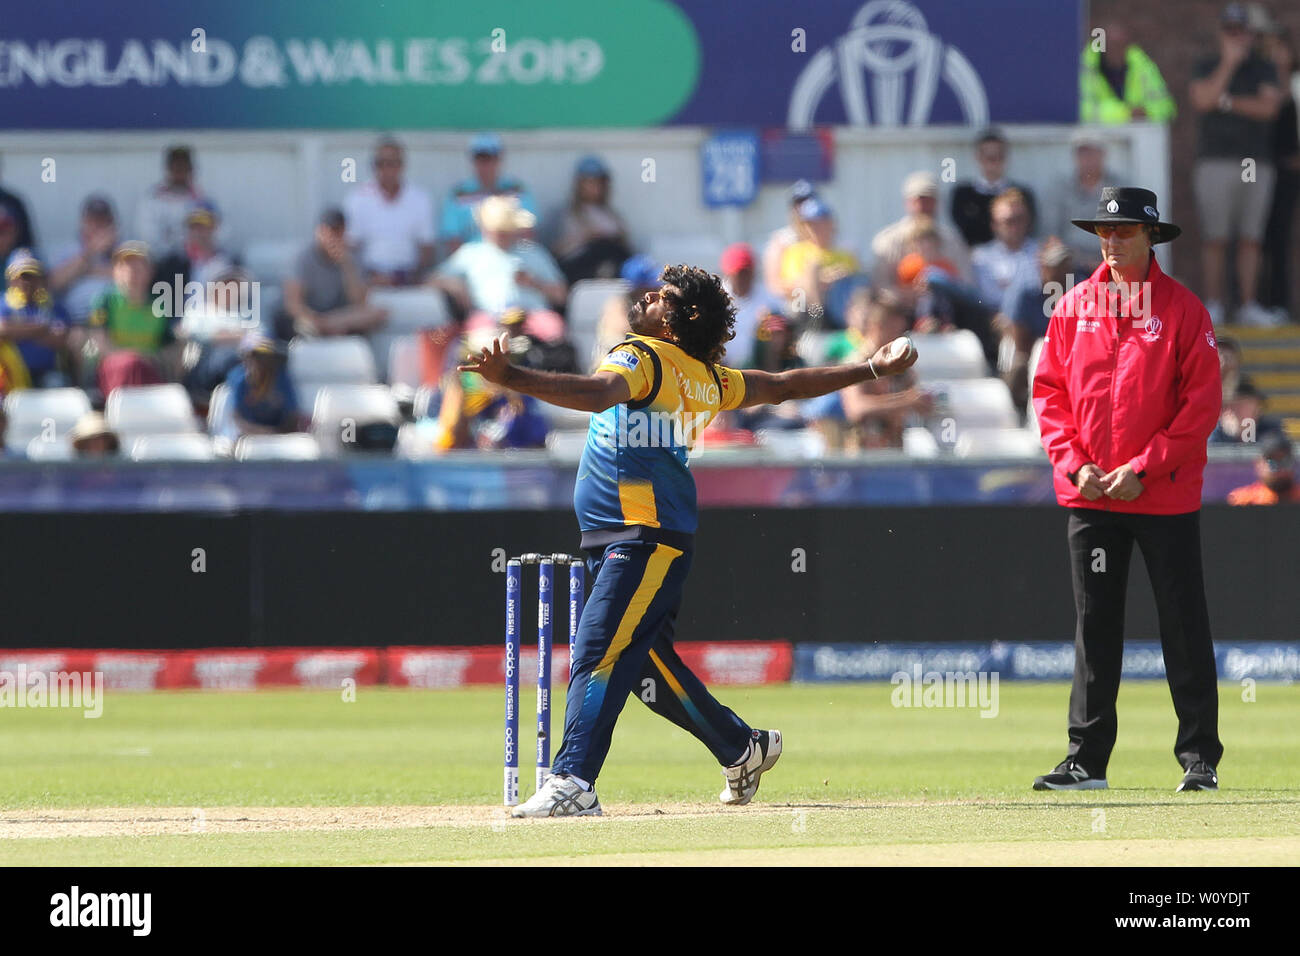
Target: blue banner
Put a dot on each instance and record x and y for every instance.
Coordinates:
(331, 64)
(522, 481)
(1042, 661)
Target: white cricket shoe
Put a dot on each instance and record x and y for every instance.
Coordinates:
(1254, 315)
(742, 780)
(559, 797)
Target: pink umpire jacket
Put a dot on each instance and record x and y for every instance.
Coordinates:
(1133, 381)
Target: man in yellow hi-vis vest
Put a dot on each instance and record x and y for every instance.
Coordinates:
(1118, 83)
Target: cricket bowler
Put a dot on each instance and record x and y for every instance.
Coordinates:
(635, 502)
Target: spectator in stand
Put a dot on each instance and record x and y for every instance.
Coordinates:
(592, 241)
(262, 397)
(1275, 286)
(503, 271)
(753, 303)
(213, 333)
(1230, 367)
(871, 414)
(160, 216)
(972, 200)
(1026, 310)
(1242, 420)
(92, 438)
(326, 294)
(1075, 197)
(33, 323)
(204, 260)
(814, 263)
(785, 237)
(477, 414)
(1237, 98)
(1011, 258)
(1275, 474)
(774, 351)
(84, 268)
(390, 221)
(920, 198)
(1120, 84)
(131, 343)
(939, 300)
(460, 222)
(24, 235)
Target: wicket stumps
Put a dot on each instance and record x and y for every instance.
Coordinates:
(545, 613)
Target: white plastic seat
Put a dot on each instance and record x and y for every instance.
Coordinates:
(566, 444)
(133, 411)
(295, 446)
(918, 442)
(271, 260)
(173, 447)
(693, 250)
(586, 303)
(792, 443)
(205, 324)
(403, 362)
(423, 405)
(38, 449)
(360, 404)
(949, 355)
(998, 443)
(46, 413)
(345, 360)
(1034, 354)
(976, 403)
(411, 310)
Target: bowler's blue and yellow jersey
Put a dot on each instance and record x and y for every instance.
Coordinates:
(634, 472)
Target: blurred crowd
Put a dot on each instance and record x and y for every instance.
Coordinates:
(985, 263)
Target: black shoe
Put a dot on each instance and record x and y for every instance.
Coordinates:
(1199, 776)
(1068, 775)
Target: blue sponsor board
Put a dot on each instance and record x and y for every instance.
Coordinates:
(79, 64)
(1045, 660)
(730, 168)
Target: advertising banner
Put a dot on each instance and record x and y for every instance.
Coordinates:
(432, 64)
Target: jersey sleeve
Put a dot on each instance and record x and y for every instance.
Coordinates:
(634, 367)
(733, 388)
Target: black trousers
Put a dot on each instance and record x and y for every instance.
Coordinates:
(1101, 544)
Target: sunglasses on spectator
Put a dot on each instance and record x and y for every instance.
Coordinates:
(1125, 230)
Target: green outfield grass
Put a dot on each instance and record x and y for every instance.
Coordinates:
(860, 781)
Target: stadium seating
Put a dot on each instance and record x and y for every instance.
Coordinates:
(38, 449)
(403, 364)
(271, 260)
(949, 355)
(413, 309)
(425, 402)
(694, 250)
(918, 442)
(975, 403)
(173, 447)
(792, 443)
(586, 303)
(149, 410)
(1034, 353)
(297, 446)
(358, 403)
(566, 444)
(47, 414)
(345, 360)
(998, 443)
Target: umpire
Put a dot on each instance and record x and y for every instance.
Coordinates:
(1127, 392)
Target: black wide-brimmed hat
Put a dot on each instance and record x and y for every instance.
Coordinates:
(1130, 204)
